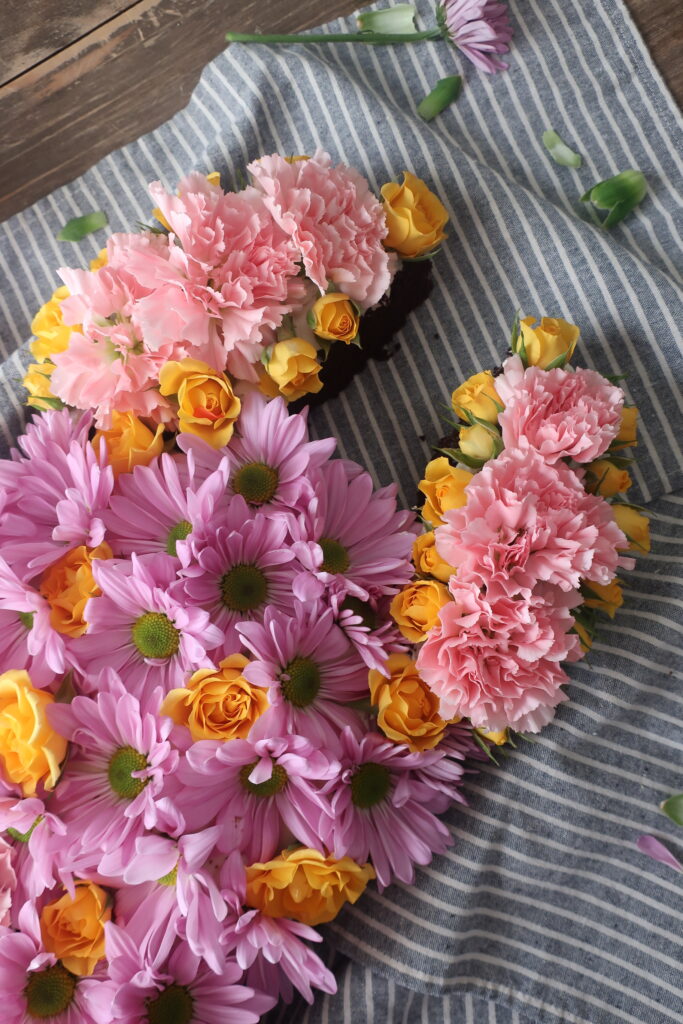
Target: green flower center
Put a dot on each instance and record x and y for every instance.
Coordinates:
(26, 619)
(370, 784)
(155, 636)
(243, 588)
(170, 879)
(180, 531)
(335, 556)
(122, 764)
(362, 608)
(172, 1006)
(23, 837)
(49, 992)
(300, 682)
(270, 787)
(256, 482)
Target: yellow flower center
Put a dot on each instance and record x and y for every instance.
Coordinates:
(155, 636)
(122, 764)
(49, 992)
(271, 787)
(243, 588)
(300, 682)
(174, 1005)
(335, 556)
(256, 482)
(179, 532)
(370, 784)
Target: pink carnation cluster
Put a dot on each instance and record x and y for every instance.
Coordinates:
(265, 551)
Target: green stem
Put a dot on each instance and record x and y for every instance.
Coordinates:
(374, 38)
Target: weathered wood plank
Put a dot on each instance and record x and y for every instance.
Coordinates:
(661, 25)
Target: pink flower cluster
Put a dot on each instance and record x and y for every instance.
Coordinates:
(267, 550)
(521, 546)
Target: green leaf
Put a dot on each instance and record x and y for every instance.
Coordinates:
(78, 227)
(558, 363)
(442, 95)
(619, 194)
(398, 20)
(515, 332)
(457, 456)
(673, 808)
(43, 403)
(560, 151)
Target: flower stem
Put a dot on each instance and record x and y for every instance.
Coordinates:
(373, 38)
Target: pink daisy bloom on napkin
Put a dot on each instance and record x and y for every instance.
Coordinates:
(40, 841)
(479, 28)
(27, 639)
(138, 629)
(335, 222)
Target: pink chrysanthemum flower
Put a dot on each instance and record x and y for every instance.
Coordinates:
(356, 541)
(335, 222)
(243, 564)
(309, 669)
(479, 28)
(39, 839)
(36, 986)
(139, 630)
(155, 508)
(259, 791)
(8, 882)
(526, 521)
(560, 413)
(113, 785)
(378, 809)
(177, 987)
(496, 659)
(270, 456)
(359, 622)
(27, 639)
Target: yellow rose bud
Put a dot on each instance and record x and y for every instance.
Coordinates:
(37, 383)
(626, 438)
(584, 636)
(68, 585)
(207, 405)
(444, 488)
(73, 928)
(479, 443)
(415, 610)
(295, 368)
(217, 703)
(335, 318)
(478, 396)
(606, 479)
(498, 738)
(100, 260)
(129, 442)
(52, 334)
(305, 886)
(427, 559)
(605, 597)
(551, 340)
(30, 750)
(408, 711)
(635, 525)
(415, 217)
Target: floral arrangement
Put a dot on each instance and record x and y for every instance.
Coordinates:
(233, 291)
(526, 529)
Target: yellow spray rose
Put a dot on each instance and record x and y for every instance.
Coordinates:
(294, 367)
(73, 928)
(479, 443)
(407, 710)
(129, 442)
(68, 585)
(415, 217)
(607, 479)
(37, 383)
(444, 488)
(550, 340)
(605, 597)
(585, 637)
(217, 703)
(478, 396)
(427, 559)
(335, 318)
(635, 525)
(627, 436)
(30, 750)
(52, 334)
(207, 405)
(497, 737)
(100, 260)
(415, 609)
(305, 886)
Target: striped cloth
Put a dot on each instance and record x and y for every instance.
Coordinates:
(543, 911)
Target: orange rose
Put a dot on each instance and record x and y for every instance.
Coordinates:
(479, 397)
(335, 318)
(68, 585)
(415, 217)
(30, 750)
(217, 704)
(444, 488)
(129, 442)
(407, 710)
(294, 367)
(551, 341)
(606, 479)
(415, 610)
(607, 597)
(627, 436)
(73, 928)
(428, 561)
(207, 405)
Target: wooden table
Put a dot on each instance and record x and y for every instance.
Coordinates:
(78, 78)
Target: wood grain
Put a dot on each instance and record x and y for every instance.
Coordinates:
(79, 78)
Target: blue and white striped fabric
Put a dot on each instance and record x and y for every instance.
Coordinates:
(543, 912)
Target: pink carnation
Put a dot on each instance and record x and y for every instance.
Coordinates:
(496, 660)
(526, 521)
(335, 222)
(560, 413)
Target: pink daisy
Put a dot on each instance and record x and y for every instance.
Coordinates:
(139, 630)
(39, 839)
(113, 785)
(27, 639)
(334, 221)
(258, 790)
(310, 670)
(479, 28)
(8, 882)
(378, 807)
(369, 627)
